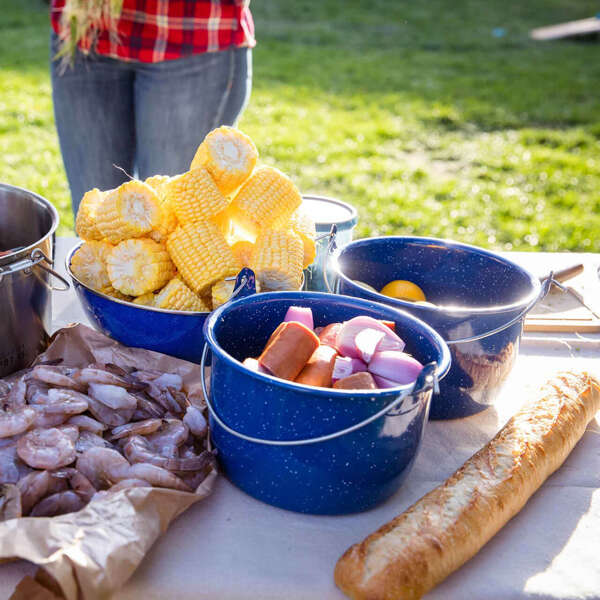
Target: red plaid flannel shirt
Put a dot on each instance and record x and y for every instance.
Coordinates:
(156, 30)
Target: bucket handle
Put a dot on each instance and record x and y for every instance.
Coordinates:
(331, 248)
(36, 259)
(427, 380)
(547, 283)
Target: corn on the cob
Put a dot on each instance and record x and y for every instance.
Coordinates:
(146, 299)
(242, 250)
(277, 260)
(229, 156)
(178, 296)
(201, 254)
(194, 196)
(130, 211)
(158, 184)
(85, 222)
(89, 266)
(302, 223)
(267, 197)
(224, 223)
(221, 292)
(139, 266)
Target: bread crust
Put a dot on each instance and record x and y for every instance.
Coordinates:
(418, 549)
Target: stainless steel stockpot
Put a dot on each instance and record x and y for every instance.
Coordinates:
(27, 226)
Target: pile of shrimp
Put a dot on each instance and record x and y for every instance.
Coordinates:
(68, 434)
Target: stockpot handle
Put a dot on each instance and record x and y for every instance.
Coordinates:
(427, 379)
(331, 248)
(547, 283)
(36, 259)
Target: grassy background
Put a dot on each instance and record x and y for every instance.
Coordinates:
(413, 111)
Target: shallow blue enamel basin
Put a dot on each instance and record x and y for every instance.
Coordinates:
(285, 443)
(479, 302)
(170, 332)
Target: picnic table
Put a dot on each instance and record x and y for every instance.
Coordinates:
(232, 547)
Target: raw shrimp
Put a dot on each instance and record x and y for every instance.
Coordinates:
(103, 466)
(37, 485)
(68, 402)
(172, 434)
(87, 424)
(146, 375)
(16, 396)
(36, 392)
(195, 421)
(79, 483)
(148, 406)
(88, 439)
(9, 464)
(155, 476)
(10, 502)
(137, 428)
(138, 450)
(113, 396)
(108, 416)
(71, 431)
(4, 388)
(16, 421)
(57, 375)
(168, 380)
(43, 419)
(96, 375)
(46, 449)
(129, 483)
(158, 396)
(58, 504)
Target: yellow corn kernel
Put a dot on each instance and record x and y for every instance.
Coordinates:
(229, 156)
(146, 299)
(242, 250)
(302, 223)
(267, 197)
(201, 254)
(277, 260)
(178, 296)
(221, 292)
(194, 196)
(85, 222)
(224, 223)
(130, 211)
(158, 184)
(138, 266)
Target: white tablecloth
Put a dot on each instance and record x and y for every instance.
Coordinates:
(232, 547)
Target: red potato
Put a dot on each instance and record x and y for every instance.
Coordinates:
(319, 368)
(288, 350)
(328, 335)
(356, 381)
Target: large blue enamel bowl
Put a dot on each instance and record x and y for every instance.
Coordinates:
(167, 331)
(269, 432)
(479, 302)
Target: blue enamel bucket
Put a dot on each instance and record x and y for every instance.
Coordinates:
(170, 332)
(308, 449)
(479, 301)
(327, 212)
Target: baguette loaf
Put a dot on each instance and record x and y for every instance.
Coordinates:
(418, 549)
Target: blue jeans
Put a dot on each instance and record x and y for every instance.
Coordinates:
(147, 118)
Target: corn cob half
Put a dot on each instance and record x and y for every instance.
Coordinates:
(229, 156)
(85, 222)
(242, 250)
(221, 292)
(277, 260)
(130, 211)
(194, 196)
(303, 224)
(146, 299)
(138, 266)
(88, 264)
(201, 254)
(178, 296)
(267, 197)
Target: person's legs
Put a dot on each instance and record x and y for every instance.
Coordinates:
(178, 102)
(93, 110)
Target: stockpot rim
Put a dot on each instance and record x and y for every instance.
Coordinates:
(436, 308)
(26, 252)
(443, 363)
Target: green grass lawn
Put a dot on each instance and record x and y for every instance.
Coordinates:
(412, 111)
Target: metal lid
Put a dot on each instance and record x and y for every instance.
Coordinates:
(327, 211)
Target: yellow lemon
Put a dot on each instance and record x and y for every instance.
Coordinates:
(403, 290)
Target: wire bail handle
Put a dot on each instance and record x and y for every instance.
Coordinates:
(37, 258)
